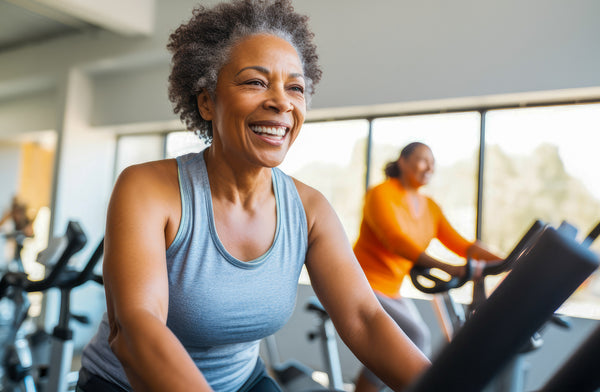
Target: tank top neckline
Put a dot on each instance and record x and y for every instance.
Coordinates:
(254, 263)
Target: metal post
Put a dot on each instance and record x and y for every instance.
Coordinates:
(330, 351)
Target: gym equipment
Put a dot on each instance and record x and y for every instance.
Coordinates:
(17, 360)
(579, 373)
(294, 376)
(545, 272)
(428, 282)
(61, 355)
(453, 316)
(327, 337)
(16, 263)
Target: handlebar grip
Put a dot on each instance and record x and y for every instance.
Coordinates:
(10, 278)
(439, 285)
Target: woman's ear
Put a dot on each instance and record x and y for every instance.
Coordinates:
(205, 105)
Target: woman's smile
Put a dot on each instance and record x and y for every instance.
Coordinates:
(259, 104)
(272, 134)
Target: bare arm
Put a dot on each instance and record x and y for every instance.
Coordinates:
(452, 239)
(345, 293)
(477, 251)
(426, 261)
(140, 215)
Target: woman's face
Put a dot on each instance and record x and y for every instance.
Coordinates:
(259, 104)
(418, 167)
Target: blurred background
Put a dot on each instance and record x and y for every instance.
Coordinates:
(506, 93)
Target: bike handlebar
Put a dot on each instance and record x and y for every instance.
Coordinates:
(78, 278)
(437, 285)
(76, 240)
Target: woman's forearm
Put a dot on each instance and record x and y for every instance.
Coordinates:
(478, 252)
(426, 261)
(152, 357)
(384, 348)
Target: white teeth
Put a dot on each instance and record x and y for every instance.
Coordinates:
(275, 131)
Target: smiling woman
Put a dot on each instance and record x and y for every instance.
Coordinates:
(259, 105)
(203, 252)
(398, 224)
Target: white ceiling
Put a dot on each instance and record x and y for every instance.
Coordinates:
(25, 22)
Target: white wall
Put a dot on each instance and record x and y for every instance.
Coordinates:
(386, 51)
(377, 52)
(10, 159)
(29, 112)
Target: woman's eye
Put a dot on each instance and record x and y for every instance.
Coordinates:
(298, 89)
(255, 82)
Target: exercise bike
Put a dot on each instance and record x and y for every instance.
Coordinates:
(452, 315)
(15, 263)
(553, 260)
(294, 376)
(18, 368)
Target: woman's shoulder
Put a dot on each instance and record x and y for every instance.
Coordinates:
(308, 195)
(314, 202)
(149, 179)
(153, 170)
(389, 188)
(319, 213)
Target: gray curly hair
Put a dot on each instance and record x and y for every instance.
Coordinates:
(202, 46)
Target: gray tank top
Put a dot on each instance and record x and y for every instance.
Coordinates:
(220, 307)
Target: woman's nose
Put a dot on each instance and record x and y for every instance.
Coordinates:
(278, 100)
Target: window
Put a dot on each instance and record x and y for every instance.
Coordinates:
(331, 157)
(133, 149)
(541, 163)
(181, 143)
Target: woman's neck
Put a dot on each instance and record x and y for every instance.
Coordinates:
(243, 185)
(408, 186)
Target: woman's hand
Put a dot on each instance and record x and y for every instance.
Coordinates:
(426, 261)
(455, 270)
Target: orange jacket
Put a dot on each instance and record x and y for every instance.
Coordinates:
(391, 238)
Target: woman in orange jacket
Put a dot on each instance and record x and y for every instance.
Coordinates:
(397, 226)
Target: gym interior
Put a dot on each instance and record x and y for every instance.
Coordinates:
(506, 93)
